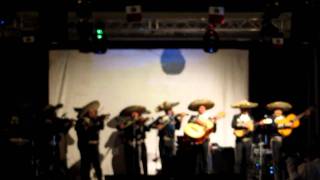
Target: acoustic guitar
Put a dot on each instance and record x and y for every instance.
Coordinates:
(293, 120)
(249, 126)
(197, 133)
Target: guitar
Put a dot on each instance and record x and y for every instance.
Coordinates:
(249, 126)
(291, 121)
(197, 133)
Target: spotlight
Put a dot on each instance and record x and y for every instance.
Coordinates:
(6, 18)
(133, 13)
(2, 22)
(271, 170)
(271, 34)
(257, 165)
(216, 15)
(28, 37)
(277, 42)
(100, 38)
(210, 39)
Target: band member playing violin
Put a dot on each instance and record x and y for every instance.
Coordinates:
(243, 125)
(134, 133)
(167, 124)
(88, 127)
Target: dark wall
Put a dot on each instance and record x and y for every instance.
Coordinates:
(286, 74)
(24, 76)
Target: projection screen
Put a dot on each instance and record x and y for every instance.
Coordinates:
(124, 77)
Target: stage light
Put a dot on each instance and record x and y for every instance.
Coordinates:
(6, 18)
(100, 39)
(257, 165)
(133, 13)
(210, 40)
(216, 15)
(271, 35)
(99, 33)
(271, 170)
(277, 42)
(2, 22)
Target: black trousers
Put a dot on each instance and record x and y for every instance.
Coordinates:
(194, 158)
(276, 144)
(201, 158)
(90, 156)
(167, 156)
(243, 155)
(135, 157)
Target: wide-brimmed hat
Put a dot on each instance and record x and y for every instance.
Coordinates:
(244, 105)
(50, 109)
(134, 108)
(285, 106)
(194, 105)
(92, 105)
(166, 106)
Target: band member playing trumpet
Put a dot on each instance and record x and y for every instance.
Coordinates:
(243, 125)
(88, 127)
(167, 124)
(134, 133)
(199, 139)
(51, 130)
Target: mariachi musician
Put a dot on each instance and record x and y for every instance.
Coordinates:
(167, 124)
(243, 125)
(275, 123)
(88, 127)
(199, 143)
(51, 130)
(134, 133)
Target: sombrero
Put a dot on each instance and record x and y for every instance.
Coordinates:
(244, 105)
(285, 106)
(134, 108)
(166, 106)
(92, 105)
(50, 110)
(194, 105)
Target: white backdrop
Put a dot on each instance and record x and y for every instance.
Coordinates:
(135, 76)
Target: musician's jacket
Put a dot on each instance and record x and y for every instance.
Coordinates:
(88, 130)
(167, 133)
(135, 133)
(238, 122)
(273, 125)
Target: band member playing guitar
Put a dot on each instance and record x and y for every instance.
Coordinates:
(199, 137)
(281, 126)
(243, 125)
(278, 108)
